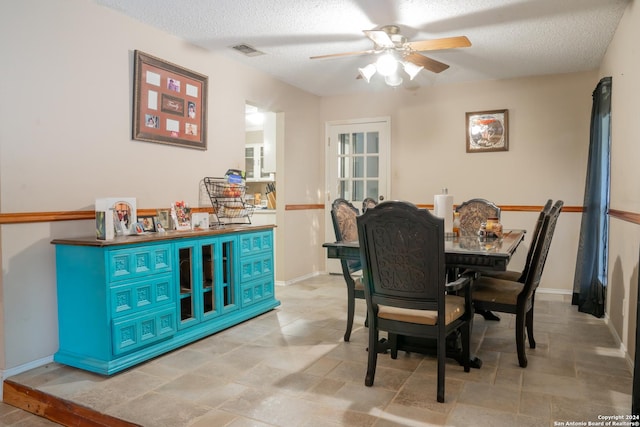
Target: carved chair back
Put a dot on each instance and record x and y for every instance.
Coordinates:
(474, 212)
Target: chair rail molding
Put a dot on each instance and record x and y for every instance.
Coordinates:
(52, 216)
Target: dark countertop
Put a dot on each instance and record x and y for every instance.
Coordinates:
(153, 237)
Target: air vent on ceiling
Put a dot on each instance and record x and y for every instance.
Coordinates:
(247, 50)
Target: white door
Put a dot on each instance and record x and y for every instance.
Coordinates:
(357, 159)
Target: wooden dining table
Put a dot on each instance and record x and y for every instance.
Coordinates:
(466, 252)
(461, 252)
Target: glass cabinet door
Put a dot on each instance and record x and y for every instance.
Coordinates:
(254, 161)
(227, 289)
(206, 279)
(186, 283)
(249, 161)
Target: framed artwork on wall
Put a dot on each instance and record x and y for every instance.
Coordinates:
(487, 131)
(169, 103)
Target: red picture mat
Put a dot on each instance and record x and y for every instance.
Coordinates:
(169, 103)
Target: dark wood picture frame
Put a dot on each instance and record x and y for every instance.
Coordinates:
(169, 103)
(148, 222)
(487, 131)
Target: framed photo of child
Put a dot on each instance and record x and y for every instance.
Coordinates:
(148, 223)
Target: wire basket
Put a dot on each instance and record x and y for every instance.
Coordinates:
(228, 201)
(233, 209)
(219, 188)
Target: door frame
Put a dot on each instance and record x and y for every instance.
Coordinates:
(333, 266)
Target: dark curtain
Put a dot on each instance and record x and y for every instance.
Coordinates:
(591, 265)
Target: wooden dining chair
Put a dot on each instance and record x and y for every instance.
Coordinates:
(474, 212)
(520, 275)
(511, 296)
(368, 202)
(402, 250)
(343, 216)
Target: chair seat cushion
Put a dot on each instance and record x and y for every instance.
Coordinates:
(495, 290)
(514, 276)
(454, 308)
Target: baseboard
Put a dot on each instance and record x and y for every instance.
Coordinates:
(552, 291)
(619, 342)
(297, 279)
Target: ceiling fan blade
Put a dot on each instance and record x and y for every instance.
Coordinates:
(427, 63)
(437, 44)
(336, 55)
(379, 37)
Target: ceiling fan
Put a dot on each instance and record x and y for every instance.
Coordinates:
(388, 42)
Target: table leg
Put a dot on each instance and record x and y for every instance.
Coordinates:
(428, 346)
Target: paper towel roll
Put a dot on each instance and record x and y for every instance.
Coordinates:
(443, 208)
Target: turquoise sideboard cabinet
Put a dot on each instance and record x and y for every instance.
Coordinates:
(124, 301)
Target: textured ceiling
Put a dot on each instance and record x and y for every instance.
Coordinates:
(510, 38)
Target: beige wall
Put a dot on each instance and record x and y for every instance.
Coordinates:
(65, 139)
(622, 63)
(548, 142)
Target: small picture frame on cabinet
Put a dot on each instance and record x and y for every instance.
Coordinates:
(137, 228)
(148, 223)
(200, 220)
(181, 216)
(163, 219)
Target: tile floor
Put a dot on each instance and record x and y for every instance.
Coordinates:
(290, 367)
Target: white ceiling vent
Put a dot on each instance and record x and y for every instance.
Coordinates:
(247, 50)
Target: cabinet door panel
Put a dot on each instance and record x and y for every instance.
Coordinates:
(257, 291)
(255, 267)
(129, 298)
(255, 243)
(134, 332)
(139, 261)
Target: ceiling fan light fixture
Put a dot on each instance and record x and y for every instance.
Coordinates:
(367, 72)
(387, 64)
(393, 80)
(412, 69)
(394, 50)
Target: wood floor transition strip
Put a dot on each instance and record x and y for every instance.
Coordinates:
(57, 409)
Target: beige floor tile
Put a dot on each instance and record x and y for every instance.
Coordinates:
(268, 407)
(290, 367)
(537, 405)
(400, 415)
(468, 415)
(159, 410)
(490, 396)
(120, 389)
